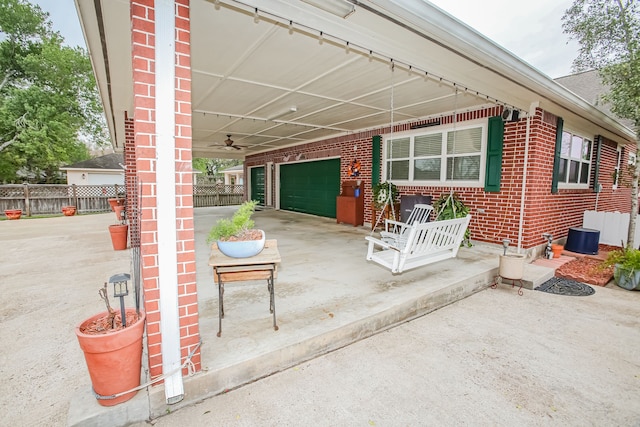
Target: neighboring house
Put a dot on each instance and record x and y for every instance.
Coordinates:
(102, 170)
(303, 90)
(234, 175)
(588, 85)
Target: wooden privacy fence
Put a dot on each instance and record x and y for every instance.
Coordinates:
(217, 195)
(613, 227)
(48, 199)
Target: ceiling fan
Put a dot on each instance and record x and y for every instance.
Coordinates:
(228, 144)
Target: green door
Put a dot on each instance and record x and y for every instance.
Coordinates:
(257, 185)
(310, 187)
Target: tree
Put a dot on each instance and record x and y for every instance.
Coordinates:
(211, 168)
(608, 32)
(49, 105)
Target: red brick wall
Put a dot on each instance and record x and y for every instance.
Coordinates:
(496, 216)
(143, 45)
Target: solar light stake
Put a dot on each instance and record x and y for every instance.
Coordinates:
(505, 245)
(121, 290)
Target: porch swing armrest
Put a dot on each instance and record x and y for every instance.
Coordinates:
(393, 224)
(377, 242)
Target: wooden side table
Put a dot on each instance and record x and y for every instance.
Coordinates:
(386, 214)
(260, 267)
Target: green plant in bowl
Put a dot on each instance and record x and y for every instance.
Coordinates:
(238, 227)
(626, 267)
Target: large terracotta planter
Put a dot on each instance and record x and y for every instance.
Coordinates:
(113, 359)
(13, 213)
(119, 234)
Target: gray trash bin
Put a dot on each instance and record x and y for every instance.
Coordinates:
(407, 202)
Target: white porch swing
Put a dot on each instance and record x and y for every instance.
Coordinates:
(414, 244)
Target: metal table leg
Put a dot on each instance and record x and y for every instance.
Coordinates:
(272, 299)
(220, 303)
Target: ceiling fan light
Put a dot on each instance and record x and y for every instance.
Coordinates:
(339, 8)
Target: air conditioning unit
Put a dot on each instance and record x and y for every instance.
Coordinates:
(510, 115)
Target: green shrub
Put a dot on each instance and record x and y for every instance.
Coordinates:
(240, 222)
(627, 258)
(449, 206)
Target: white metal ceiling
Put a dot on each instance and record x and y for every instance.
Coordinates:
(278, 82)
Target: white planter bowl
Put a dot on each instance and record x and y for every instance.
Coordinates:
(243, 248)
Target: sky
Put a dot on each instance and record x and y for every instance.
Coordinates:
(531, 30)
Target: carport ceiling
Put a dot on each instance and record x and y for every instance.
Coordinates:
(286, 74)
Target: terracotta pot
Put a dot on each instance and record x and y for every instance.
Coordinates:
(557, 250)
(119, 234)
(69, 210)
(113, 359)
(115, 202)
(119, 210)
(13, 213)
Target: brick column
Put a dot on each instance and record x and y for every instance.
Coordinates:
(143, 61)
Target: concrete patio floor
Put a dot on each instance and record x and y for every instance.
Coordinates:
(327, 296)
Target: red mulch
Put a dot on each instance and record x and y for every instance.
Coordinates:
(102, 325)
(589, 270)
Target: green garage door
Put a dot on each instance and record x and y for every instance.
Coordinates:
(257, 185)
(310, 187)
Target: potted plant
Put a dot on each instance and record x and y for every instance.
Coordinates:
(117, 201)
(626, 267)
(113, 349)
(449, 206)
(69, 210)
(13, 213)
(236, 237)
(383, 193)
(119, 232)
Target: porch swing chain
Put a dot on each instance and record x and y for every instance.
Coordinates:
(388, 201)
(455, 122)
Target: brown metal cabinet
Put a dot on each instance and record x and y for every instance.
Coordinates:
(350, 203)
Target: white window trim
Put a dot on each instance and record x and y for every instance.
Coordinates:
(482, 123)
(575, 186)
(617, 168)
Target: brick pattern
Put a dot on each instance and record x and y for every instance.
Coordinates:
(131, 181)
(143, 49)
(496, 216)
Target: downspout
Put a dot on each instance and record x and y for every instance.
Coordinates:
(532, 112)
(166, 197)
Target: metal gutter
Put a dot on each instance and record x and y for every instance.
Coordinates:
(435, 25)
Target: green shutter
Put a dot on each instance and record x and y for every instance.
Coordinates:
(556, 158)
(494, 154)
(375, 159)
